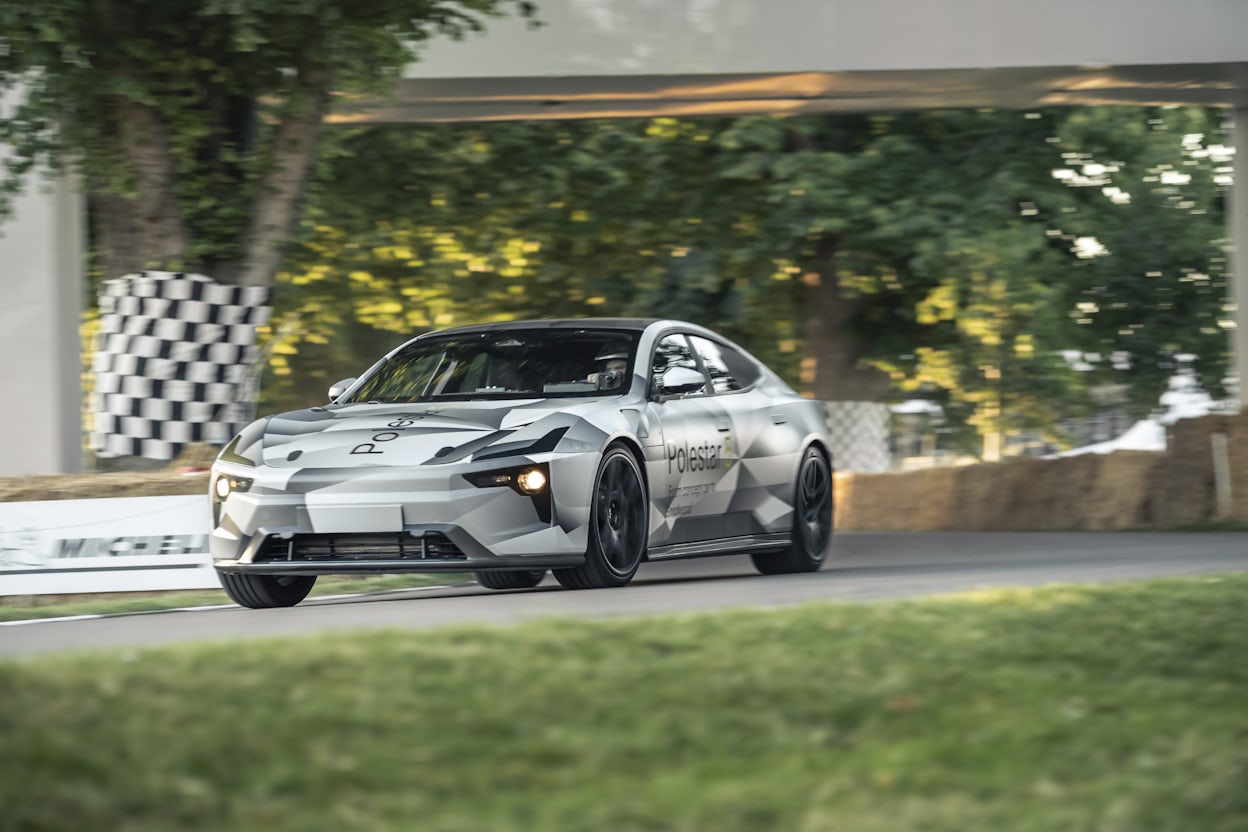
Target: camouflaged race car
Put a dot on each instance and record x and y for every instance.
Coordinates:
(582, 447)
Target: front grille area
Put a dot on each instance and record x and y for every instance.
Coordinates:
(339, 547)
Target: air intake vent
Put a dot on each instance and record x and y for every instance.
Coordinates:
(340, 547)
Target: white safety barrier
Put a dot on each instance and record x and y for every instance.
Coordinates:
(118, 544)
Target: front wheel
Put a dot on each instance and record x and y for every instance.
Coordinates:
(618, 526)
(260, 592)
(812, 520)
(510, 580)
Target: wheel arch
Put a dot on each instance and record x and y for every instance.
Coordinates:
(631, 445)
(823, 448)
(820, 445)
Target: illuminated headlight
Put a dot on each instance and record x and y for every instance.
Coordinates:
(527, 479)
(224, 485)
(531, 480)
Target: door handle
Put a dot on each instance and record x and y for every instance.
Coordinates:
(723, 427)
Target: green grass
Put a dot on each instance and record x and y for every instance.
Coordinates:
(1064, 708)
(31, 607)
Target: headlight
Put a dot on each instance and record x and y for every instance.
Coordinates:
(527, 479)
(222, 486)
(533, 481)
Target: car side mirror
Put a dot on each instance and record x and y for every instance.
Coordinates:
(680, 380)
(340, 387)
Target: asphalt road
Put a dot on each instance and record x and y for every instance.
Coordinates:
(861, 567)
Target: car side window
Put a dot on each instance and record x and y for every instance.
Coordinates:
(673, 351)
(729, 369)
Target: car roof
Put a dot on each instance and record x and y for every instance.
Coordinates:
(637, 324)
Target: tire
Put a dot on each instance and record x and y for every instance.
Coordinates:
(510, 580)
(260, 592)
(619, 528)
(812, 521)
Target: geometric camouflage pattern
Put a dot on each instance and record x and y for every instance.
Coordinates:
(358, 480)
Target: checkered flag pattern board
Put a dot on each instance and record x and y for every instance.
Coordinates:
(859, 436)
(173, 358)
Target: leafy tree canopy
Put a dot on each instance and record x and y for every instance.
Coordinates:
(195, 122)
(1147, 287)
(958, 255)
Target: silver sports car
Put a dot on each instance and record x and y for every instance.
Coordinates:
(581, 446)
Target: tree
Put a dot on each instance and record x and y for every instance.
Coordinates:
(943, 244)
(1145, 225)
(457, 223)
(196, 122)
(980, 217)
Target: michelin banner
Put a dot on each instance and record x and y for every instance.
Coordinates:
(120, 544)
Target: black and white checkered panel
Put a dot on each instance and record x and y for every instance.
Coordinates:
(173, 363)
(858, 432)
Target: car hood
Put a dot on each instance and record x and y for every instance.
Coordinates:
(410, 434)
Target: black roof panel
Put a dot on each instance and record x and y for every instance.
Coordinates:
(555, 323)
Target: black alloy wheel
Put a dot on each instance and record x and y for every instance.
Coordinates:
(812, 520)
(260, 592)
(520, 579)
(619, 528)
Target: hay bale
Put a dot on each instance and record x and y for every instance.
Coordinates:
(1183, 492)
(896, 501)
(1089, 492)
(1120, 496)
(989, 496)
(1237, 450)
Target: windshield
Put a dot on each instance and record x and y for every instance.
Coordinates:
(516, 364)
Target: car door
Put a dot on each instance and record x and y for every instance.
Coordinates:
(688, 471)
(754, 495)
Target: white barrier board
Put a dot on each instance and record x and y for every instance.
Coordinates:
(118, 544)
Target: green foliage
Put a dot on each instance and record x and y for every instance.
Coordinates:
(1055, 708)
(457, 224)
(215, 76)
(1150, 186)
(952, 234)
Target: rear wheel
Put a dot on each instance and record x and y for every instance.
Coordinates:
(812, 520)
(510, 580)
(618, 526)
(266, 591)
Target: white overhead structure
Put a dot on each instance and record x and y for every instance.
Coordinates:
(615, 58)
(621, 58)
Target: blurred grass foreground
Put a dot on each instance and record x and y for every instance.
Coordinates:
(1103, 707)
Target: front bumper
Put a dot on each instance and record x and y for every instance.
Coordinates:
(393, 519)
(441, 548)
